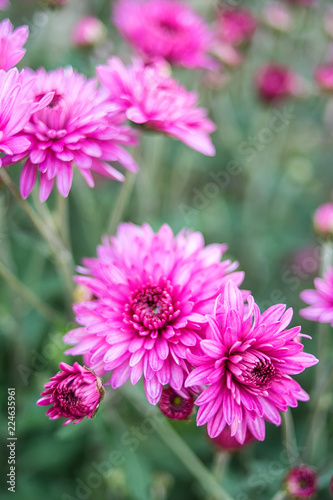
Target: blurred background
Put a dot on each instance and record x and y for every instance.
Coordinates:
(273, 167)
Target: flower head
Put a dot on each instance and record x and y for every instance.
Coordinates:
(175, 406)
(324, 77)
(320, 300)
(4, 4)
(74, 393)
(75, 128)
(88, 32)
(236, 26)
(323, 219)
(16, 108)
(278, 16)
(11, 43)
(150, 98)
(301, 482)
(165, 28)
(247, 359)
(276, 82)
(152, 293)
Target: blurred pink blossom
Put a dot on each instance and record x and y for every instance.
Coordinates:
(301, 482)
(324, 76)
(323, 219)
(278, 16)
(88, 32)
(11, 43)
(276, 82)
(235, 25)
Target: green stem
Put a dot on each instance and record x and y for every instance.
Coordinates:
(290, 438)
(180, 448)
(124, 195)
(28, 295)
(62, 256)
(280, 495)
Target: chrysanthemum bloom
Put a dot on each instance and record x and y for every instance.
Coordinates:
(324, 77)
(11, 43)
(153, 291)
(278, 16)
(246, 361)
(16, 107)
(320, 300)
(76, 128)
(4, 4)
(156, 101)
(236, 26)
(301, 482)
(276, 82)
(174, 406)
(88, 32)
(228, 442)
(323, 219)
(165, 28)
(74, 393)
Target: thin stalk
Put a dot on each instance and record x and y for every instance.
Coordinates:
(62, 255)
(123, 198)
(280, 495)
(180, 448)
(290, 438)
(28, 296)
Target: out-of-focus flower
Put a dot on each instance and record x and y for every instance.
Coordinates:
(75, 128)
(16, 107)
(11, 43)
(277, 16)
(324, 77)
(320, 300)
(167, 29)
(236, 26)
(82, 294)
(301, 482)
(4, 4)
(56, 3)
(150, 98)
(323, 219)
(247, 359)
(74, 393)
(174, 406)
(89, 31)
(228, 54)
(276, 82)
(228, 442)
(153, 291)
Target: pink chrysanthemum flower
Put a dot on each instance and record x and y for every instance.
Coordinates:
(276, 82)
(236, 26)
(165, 28)
(153, 291)
(323, 75)
(74, 393)
(76, 127)
(16, 107)
(246, 361)
(323, 219)
(174, 406)
(156, 101)
(320, 300)
(11, 43)
(301, 482)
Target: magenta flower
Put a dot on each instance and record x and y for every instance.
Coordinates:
(88, 32)
(301, 482)
(323, 219)
(11, 43)
(324, 77)
(276, 82)
(236, 26)
(174, 406)
(74, 393)
(153, 291)
(150, 98)
(75, 128)
(165, 28)
(246, 361)
(16, 107)
(320, 300)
